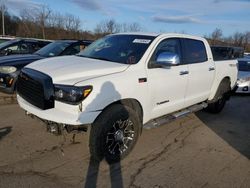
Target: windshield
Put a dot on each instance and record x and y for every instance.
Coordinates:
(53, 49)
(125, 49)
(244, 65)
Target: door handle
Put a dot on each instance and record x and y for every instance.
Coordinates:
(184, 72)
(211, 69)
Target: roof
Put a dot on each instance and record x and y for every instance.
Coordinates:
(31, 40)
(221, 46)
(72, 41)
(162, 35)
(138, 33)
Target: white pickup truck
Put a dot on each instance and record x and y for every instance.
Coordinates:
(122, 83)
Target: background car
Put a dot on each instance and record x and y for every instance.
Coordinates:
(247, 55)
(10, 66)
(21, 46)
(243, 83)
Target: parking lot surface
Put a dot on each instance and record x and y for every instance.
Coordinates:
(199, 150)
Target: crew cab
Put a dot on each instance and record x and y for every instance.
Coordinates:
(122, 83)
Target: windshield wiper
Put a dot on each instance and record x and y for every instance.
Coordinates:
(99, 58)
(39, 54)
(81, 55)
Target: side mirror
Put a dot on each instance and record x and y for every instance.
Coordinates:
(168, 59)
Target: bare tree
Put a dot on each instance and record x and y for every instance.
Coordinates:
(107, 27)
(238, 39)
(72, 23)
(31, 17)
(246, 41)
(111, 26)
(135, 27)
(56, 20)
(216, 36)
(42, 16)
(130, 27)
(26, 27)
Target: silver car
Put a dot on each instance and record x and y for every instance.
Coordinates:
(243, 83)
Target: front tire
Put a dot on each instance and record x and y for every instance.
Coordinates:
(114, 133)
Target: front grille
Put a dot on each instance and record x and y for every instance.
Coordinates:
(36, 88)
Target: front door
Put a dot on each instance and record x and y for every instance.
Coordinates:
(167, 85)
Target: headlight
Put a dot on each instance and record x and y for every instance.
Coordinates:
(242, 80)
(71, 94)
(7, 69)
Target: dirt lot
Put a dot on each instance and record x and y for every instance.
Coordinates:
(200, 150)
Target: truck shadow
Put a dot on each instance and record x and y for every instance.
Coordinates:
(232, 124)
(4, 131)
(115, 171)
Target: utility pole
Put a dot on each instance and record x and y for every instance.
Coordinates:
(3, 11)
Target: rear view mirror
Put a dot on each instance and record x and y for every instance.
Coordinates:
(168, 59)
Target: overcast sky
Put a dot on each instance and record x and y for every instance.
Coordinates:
(198, 17)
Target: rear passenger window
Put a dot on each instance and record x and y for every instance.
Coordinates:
(194, 51)
(72, 50)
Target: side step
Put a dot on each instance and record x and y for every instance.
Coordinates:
(168, 118)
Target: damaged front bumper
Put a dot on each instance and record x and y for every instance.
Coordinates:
(62, 116)
(58, 128)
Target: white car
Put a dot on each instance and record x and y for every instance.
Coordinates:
(124, 82)
(243, 83)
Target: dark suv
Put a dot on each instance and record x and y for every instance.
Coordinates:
(10, 66)
(22, 46)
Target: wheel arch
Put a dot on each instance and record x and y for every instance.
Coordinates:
(226, 81)
(129, 102)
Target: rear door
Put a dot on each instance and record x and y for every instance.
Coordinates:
(201, 71)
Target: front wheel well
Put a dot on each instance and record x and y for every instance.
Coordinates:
(132, 103)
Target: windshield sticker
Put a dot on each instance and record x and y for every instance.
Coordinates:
(142, 41)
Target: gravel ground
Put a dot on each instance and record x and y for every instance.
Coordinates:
(199, 150)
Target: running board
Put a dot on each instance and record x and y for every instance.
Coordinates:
(168, 118)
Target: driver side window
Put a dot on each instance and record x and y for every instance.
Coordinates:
(168, 45)
(72, 50)
(12, 49)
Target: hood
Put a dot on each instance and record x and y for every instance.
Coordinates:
(243, 74)
(15, 60)
(69, 70)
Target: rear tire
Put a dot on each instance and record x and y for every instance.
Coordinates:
(114, 133)
(217, 106)
(220, 98)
